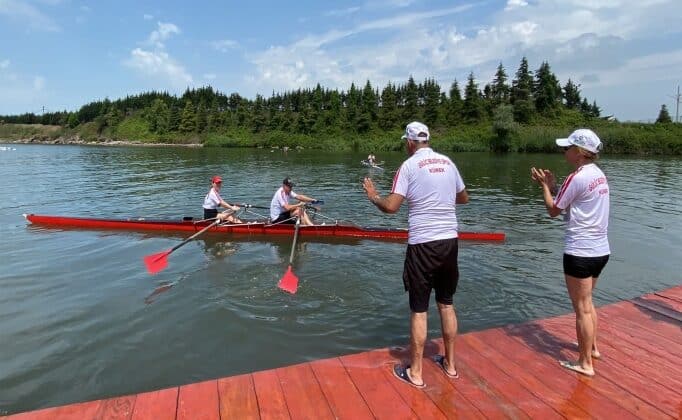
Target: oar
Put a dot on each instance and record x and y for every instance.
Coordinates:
(159, 261)
(289, 282)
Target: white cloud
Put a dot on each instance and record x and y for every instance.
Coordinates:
(514, 4)
(162, 33)
(4, 64)
(159, 64)
(147, 16)
(597, 43)
(38, 83)
(27, 14)
(224, 45)
(209, 76)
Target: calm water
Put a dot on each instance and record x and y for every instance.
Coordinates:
(80, 318)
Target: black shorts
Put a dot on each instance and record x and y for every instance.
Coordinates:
(210, 213)
(431, 265)
(285, 219)
(584, 267)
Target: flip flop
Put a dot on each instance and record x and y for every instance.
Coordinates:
(440, 360)
(576, 368)
(400, 372)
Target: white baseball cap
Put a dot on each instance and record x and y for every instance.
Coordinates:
(416, 131)
(583, 138)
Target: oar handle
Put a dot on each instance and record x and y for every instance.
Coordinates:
(251, 206)
(194, 236)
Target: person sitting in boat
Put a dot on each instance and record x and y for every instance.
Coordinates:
(213, 200)
(283, 212)
(371, 159)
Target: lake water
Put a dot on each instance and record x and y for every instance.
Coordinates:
(81, 319)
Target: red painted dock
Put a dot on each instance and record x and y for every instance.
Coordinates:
(508, 372)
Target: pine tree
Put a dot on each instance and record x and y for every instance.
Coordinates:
(411, 101)
(472, 110)
(455, 104)
(388, 113)
(521, 93)
(571, 95)
(663, 116)
(202, 116)
(547, 91)
(174, 119)
(499, 90)
(431, 102)
(188, 119)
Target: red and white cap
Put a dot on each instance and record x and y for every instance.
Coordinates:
(216, 179)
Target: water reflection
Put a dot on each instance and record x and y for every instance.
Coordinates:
(78, 306)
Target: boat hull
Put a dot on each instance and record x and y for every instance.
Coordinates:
(251, 228)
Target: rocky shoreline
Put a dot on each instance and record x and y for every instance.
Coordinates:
(77, 140)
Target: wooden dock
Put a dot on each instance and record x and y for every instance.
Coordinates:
(508, 372)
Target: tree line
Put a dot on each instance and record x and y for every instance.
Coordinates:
(529, 97)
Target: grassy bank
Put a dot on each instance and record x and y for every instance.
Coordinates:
(619, 138)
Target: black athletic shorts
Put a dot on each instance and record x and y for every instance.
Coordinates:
(285, 218)
(431, 265)
(210, 213)
(584, 267)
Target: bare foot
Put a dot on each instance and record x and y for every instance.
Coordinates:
(574, 366)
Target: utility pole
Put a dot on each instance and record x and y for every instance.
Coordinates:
(677, 104)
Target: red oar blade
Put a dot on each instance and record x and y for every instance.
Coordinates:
(289, 282)
(156, 262)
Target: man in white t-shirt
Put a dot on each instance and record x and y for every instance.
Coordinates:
(433, 187)
(283, 212)
(584, 197)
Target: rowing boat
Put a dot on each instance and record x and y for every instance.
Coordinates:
(335, 229)
(373, 165)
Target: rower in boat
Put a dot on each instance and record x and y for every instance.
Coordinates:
(283, 212)
(371, 159)
(213, 200)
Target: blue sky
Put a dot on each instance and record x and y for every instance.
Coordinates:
(61, 54)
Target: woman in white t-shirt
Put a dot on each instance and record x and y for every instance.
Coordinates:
(213, 200)
(584, 197)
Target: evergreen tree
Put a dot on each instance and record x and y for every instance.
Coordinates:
(352, 107)
(663, 116)
(202, 116)
(431, 102)
(370, 107)
(258, 120)
(174, 119)
(388, 113)
(547, 91)
(411, 101)
(455, 104)
(499, 91)
(188, 119)
(521, 93)
(158, 117)
(73, 120)
(571, 95)
(472, 109)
